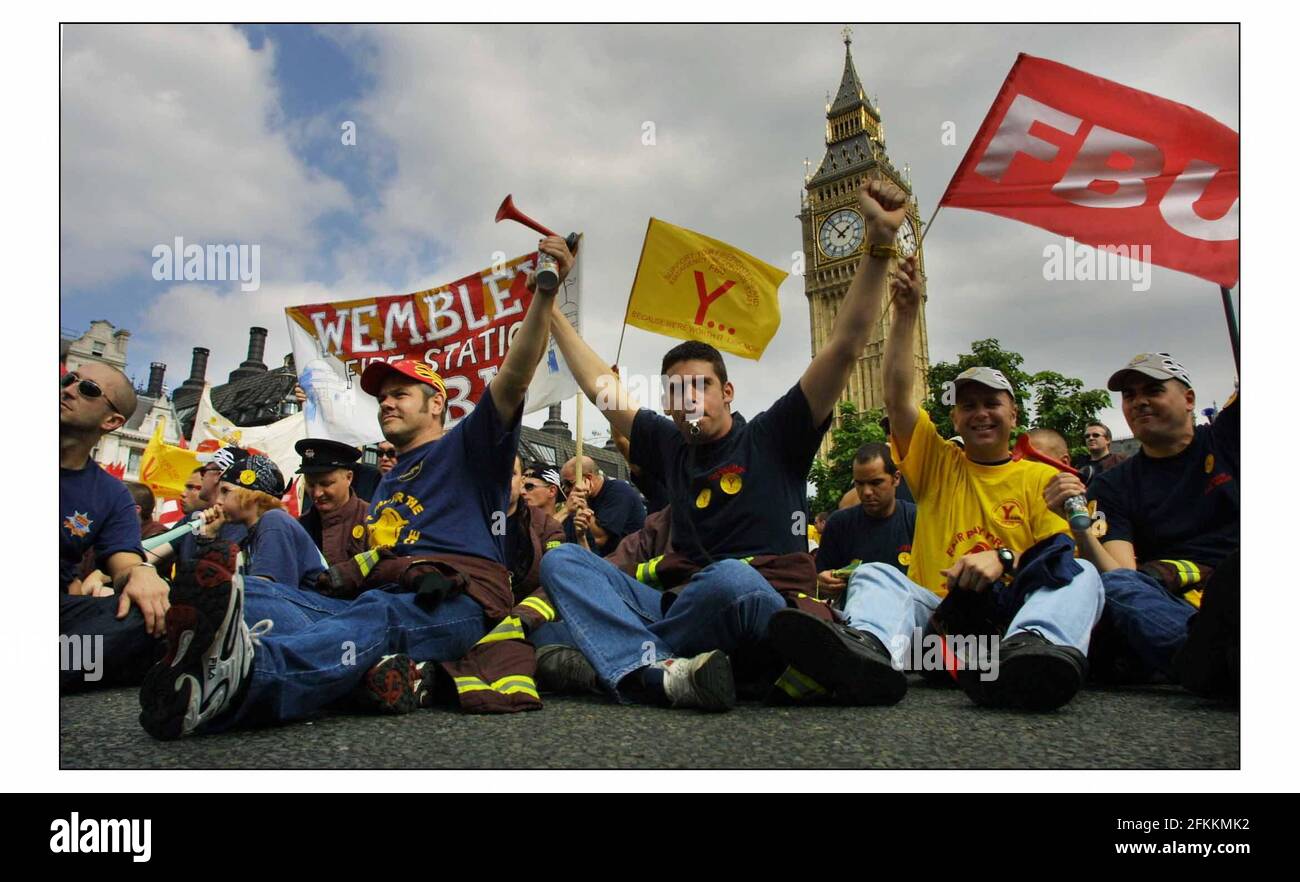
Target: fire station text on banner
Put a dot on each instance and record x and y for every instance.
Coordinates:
(462, 330)
(692, 287)
(1108, 165)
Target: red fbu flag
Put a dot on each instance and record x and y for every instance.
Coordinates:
(1108, 165)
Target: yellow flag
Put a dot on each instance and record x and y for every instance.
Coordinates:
(692, 287)
(164, 468)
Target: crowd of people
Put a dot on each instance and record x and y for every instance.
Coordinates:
(456, 573)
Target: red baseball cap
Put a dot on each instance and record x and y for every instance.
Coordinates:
(373, 377)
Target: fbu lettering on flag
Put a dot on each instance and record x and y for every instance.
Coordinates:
(1108, 165)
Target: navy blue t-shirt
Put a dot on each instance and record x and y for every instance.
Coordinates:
(852, 534)
(741, 495)
(279, 548)
(95, 511)
(451, 495)
(619, 511)
(1183, 507)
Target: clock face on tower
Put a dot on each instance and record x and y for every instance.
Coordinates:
(841, 233)
(906, 238)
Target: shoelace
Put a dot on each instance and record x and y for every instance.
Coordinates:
(260, 630)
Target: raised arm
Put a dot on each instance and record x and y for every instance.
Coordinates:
(602, 386)
(511, 382)
(883, 206)
(900, 356)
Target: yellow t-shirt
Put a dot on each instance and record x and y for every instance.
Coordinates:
(963, 507)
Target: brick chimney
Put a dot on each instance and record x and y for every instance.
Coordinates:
(198, 369)
(253, 365)
(156, 371)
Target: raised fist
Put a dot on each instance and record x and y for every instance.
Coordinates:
(884, 205)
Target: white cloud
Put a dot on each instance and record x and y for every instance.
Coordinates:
(173, 131)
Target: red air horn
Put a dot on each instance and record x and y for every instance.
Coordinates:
(548, 272)
(1076, 506)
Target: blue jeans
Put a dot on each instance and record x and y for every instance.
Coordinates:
(882, 601)
(1151, 620)
(620, 626)
(320, 647)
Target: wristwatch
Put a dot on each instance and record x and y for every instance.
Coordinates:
(882, 249)
(1008, 558)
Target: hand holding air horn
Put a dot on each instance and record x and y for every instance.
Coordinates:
(1075, 506)
(548, 271)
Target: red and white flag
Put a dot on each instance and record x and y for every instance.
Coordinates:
(1107, 165)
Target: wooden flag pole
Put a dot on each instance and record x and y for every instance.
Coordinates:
(1234, 333)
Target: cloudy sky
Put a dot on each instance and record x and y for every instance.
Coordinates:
(232, 135)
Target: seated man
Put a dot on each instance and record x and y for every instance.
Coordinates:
(604, 510)
(738, 495)
(112, 637)
(436, 556)
(1173, 512)
(978, 513)
(877, 530)
(541, 488)
(337, 520)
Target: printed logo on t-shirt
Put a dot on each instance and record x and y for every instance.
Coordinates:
(1009, 513)
(77, 523)
(1209, 463)
(412, 472)
(386, 528)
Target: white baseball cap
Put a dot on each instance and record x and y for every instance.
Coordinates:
(985, 376)
(1157, 365)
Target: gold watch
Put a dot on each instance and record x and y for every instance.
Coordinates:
(879, 249)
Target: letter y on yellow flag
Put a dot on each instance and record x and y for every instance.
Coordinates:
(692, 287)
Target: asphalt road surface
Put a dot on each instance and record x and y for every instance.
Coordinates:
(1149, 727)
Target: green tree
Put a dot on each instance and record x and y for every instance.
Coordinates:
(1046, 398)
(834, 477)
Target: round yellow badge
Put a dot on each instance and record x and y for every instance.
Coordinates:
(358, 531)
(702, 501)
(731, 484)
(905, 558)
(1209, 463)
(247, 476)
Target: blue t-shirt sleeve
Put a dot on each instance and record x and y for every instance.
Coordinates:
(1225, 432)
(789, 423)
(275, 555)
(490, 443)
(121, 527)
(653, 437)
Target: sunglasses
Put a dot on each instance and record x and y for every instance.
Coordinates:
(386, 454)
(87, 388)
(1094, 435)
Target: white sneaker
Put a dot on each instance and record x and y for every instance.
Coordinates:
(703, 682)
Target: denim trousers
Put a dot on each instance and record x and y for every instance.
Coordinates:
(621, 626)
(1152, 621)
(882, 601)
(319, 648)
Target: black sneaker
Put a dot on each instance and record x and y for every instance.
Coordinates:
(396, 685)
(1033, 674)
(853, 664)
(209, 649)
(566, 670)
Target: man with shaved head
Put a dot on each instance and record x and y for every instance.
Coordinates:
(109, 638)
(602, 510)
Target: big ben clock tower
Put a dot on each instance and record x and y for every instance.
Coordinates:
(833, 233)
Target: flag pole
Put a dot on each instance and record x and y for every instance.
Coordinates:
(637, 275)
(1234, 333)
(925, 232)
